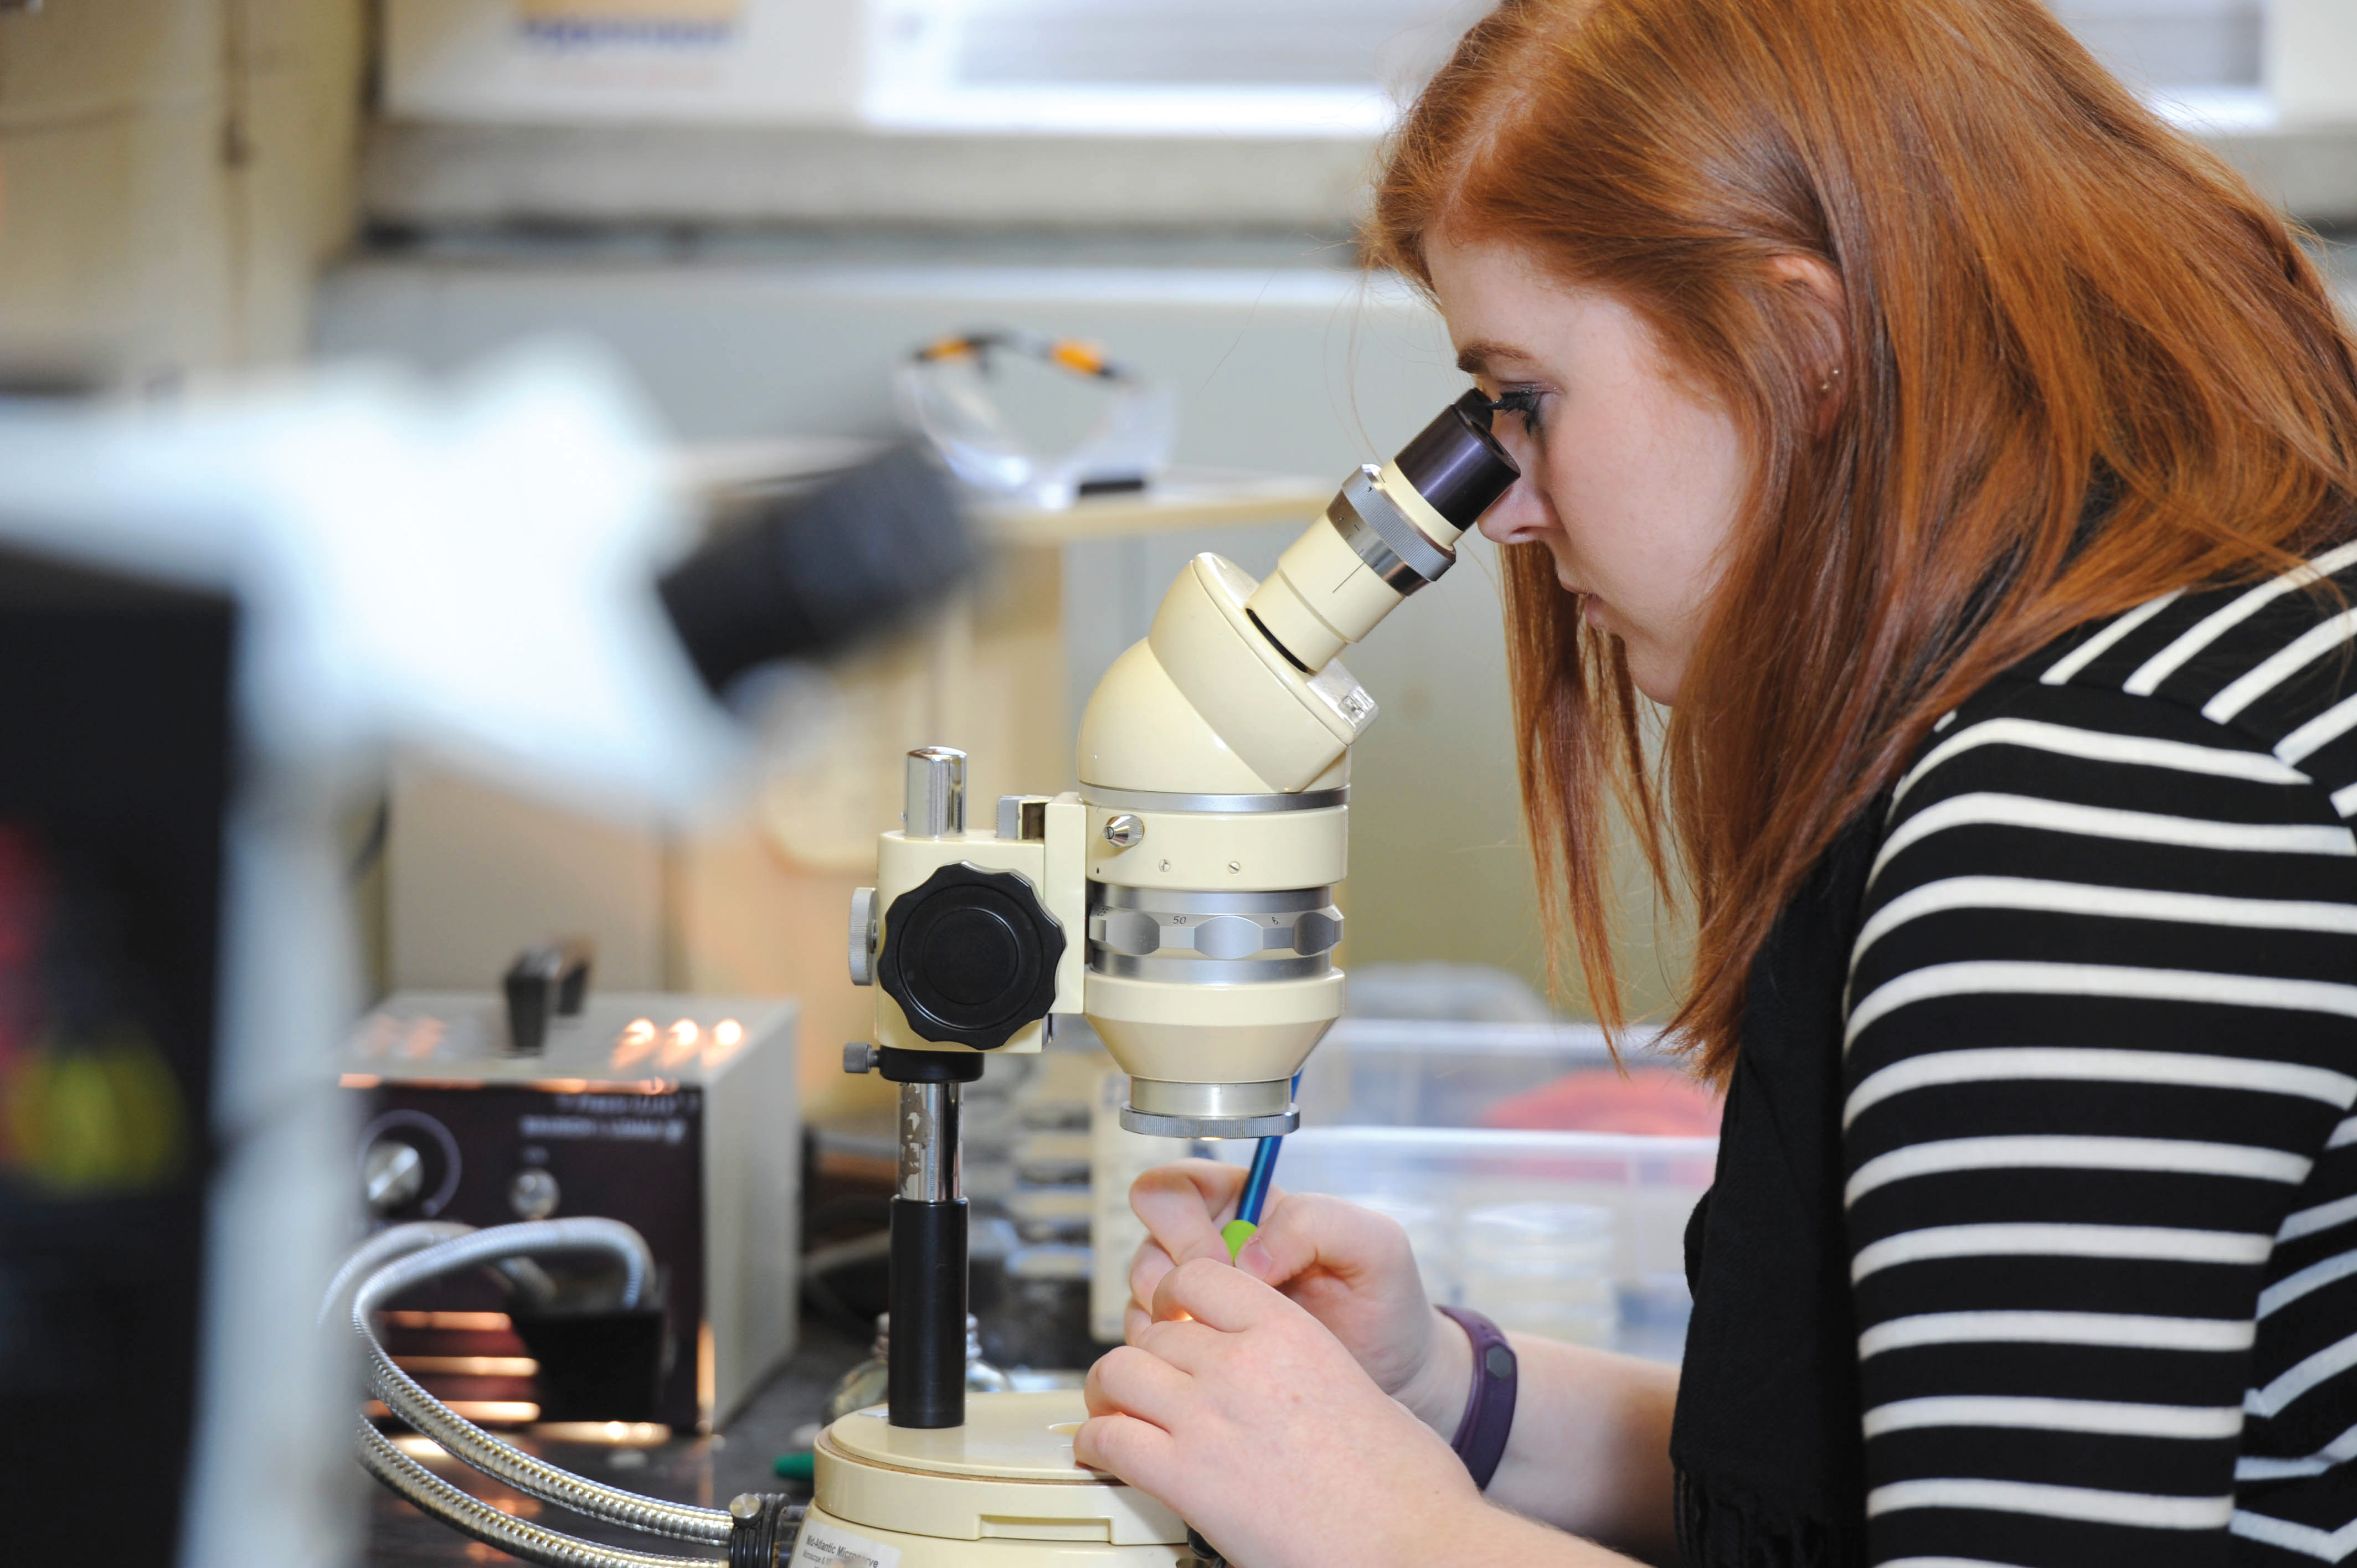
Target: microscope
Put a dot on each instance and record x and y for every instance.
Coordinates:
(1183, 900)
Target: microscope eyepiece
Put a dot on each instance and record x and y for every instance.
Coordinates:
(1456, 465)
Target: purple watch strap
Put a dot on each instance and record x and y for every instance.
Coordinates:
(1489, 1418)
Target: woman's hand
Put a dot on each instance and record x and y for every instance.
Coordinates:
(1350, 1268)
(1250, 1419)
(1241, 1412)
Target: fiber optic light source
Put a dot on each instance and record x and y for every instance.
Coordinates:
(635, 1043)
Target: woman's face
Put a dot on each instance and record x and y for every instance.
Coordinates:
(1631, 476)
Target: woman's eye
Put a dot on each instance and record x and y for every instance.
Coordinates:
(1522, 400)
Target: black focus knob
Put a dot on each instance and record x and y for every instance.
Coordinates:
(970, 955)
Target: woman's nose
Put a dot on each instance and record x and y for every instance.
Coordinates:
(1518, 516)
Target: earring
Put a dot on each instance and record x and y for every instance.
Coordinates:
(1827, 384)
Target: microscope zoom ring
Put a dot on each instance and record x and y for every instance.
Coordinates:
(1233, 930)
(1210, 971)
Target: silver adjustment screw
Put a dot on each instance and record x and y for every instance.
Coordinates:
(745, 1506)
(1122, 830)
(533, 1195)
(392, 1174)
(934, 801)
(863, 936)
(859, 1056)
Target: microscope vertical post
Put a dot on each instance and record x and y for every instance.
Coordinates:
(926, 1380)
(927, 1295)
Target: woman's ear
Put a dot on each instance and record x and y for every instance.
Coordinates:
(1825, 306)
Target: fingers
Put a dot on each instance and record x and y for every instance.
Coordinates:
(1183, 1342)
(1308, 1231)
(1146, 1271)
(1213, 1293)
(1127, 1380)
(1134, 1450)
(1184, 1204)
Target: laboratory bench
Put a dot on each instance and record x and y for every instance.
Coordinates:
(706, 1471)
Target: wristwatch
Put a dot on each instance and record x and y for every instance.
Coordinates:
(1489, 1418)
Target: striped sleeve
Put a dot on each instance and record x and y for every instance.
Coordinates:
(2100, 1032)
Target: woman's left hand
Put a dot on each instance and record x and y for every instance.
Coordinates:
(1246, 1415)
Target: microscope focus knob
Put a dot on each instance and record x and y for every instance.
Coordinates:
(971, 955)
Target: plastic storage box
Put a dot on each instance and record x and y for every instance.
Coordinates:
(1403, 1115)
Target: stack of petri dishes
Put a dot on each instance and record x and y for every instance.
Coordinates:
(1542, 1268)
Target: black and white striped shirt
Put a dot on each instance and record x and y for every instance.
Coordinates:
(2100, 1063)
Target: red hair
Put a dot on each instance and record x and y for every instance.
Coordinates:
(2084, 364)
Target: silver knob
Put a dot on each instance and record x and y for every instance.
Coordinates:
(1132, 932)
(859, 1056)
(1122, 830)
(1227, 936)
(1316, 931)
(391, 1173)
(863, 936)
(533, 1195)
(934, 801)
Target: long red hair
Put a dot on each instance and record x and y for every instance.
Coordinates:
(2085, 364)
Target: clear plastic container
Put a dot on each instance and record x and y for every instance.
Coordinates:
(1393, 1072)
(1648, 1185)
(1405, 1112)
(1543, 1268)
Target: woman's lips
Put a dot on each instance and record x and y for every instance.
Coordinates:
(1591, 608)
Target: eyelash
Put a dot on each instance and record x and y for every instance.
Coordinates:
(1523, 401)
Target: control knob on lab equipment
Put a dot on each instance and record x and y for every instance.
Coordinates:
(970, 955)
(392, 1174)
(532, 1194)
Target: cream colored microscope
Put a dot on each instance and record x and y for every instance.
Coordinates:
(1183, 901)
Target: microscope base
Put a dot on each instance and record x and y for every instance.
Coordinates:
(999, 1492)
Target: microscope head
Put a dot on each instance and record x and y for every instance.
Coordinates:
(1184, 897)
(1214, 766)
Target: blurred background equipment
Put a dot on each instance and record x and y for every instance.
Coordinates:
(117, 708)
(814, 570)
(294, 529)
(675, 1116)
(953, 391)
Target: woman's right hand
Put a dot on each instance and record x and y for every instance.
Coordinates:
(1351, 1268)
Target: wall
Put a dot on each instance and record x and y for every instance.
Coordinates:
(1290, 365)
(172, 173)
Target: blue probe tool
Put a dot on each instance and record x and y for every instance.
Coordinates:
(1239, 1231)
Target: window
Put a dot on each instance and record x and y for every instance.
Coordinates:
(1341, 67)
(2172, 45)
(1315, 68)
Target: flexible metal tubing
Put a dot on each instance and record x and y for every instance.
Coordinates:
(471, 1516)
(470, 1444)
(395, 1241)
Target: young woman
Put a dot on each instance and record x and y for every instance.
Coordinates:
(1943, 441)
